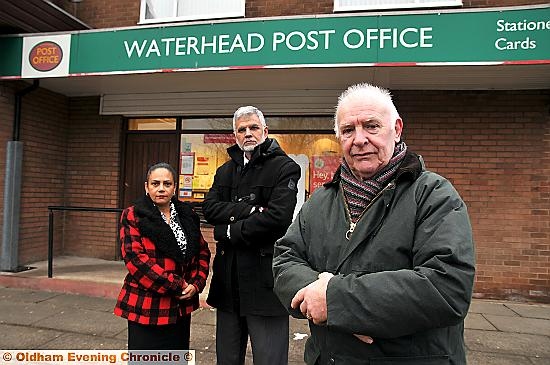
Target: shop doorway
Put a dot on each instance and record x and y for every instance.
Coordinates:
(142, 151)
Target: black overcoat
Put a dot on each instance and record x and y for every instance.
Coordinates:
(242, 270)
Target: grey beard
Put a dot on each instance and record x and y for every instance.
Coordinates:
(251, 148)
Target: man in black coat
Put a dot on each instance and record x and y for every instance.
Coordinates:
(250, 204)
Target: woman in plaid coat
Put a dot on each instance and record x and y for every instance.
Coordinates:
(168, 262)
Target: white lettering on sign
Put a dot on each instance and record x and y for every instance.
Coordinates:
(181, 46)
(503, 44)
(504, 26)
(388, 37)
(524, 43)
(296, 40)
(322, 175)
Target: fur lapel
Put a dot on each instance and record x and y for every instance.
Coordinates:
(152, 226)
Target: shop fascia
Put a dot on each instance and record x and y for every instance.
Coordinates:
(495, 36)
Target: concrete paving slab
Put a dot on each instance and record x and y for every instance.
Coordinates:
(83, 302)
(26, 314)
(205, 357)
(122, 335)
(520, 324)
(25, 338)
(530, 310)
(204, 316)
(86, 322)
(298, 326)
(203, 337)
(476, 321)
(22, 298)
(73, 267)
(77, 341)
(296, 349)
(489, 307)
(482, 358)
(540, 360)
(16, 295)
(507, 343)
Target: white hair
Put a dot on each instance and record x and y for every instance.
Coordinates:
(248, 110)
(369, 93)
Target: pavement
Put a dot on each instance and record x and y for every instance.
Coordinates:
(73, 310)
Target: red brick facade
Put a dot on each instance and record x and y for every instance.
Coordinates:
(104, 13)
(493, 145)
(125, 13)
(92, 173)
(70, 158)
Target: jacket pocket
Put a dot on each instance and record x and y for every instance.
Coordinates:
(266, 267)
(412, 360)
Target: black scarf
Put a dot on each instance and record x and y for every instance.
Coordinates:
(152, 226)
(359, 193)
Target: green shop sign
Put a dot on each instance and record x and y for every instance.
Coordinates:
(508, 35)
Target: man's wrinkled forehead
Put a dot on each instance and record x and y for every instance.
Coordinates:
(356, 106)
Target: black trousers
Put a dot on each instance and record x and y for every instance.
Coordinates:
(165, 337)
(268, 338)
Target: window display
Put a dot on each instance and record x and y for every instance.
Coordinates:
(203, 142)
(208, 152)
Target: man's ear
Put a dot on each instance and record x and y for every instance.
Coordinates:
(398, 129)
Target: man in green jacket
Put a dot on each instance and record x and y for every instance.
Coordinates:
(385, 274)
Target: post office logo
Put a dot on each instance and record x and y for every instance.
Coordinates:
(45, 56)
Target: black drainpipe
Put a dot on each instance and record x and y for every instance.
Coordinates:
(12, 189)
(17, 108)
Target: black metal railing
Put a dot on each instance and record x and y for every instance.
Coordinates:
(68, 208)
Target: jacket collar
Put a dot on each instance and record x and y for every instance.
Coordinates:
(152, 226)
(270, 147)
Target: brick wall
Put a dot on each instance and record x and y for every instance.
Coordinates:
(266, 8)
(104, 13)
(70, 158)
(92, 173)
(123, 13)
(491, 3)
(493, 146)
(44, 122)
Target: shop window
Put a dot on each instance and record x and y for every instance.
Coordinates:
(201, 154)
(208, 124)
(351, 5)
(157, 11)
(152, 124)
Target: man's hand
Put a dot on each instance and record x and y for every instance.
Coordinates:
(312, 299)
(365, 338)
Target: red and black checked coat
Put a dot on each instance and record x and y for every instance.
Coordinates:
(157, 267)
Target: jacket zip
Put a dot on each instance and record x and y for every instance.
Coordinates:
(352, 225)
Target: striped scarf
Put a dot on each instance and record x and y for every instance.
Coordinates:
(360, 193)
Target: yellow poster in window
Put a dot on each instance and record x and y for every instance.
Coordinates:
(205, 168)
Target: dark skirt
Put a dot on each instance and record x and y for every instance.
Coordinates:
(165, 337)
